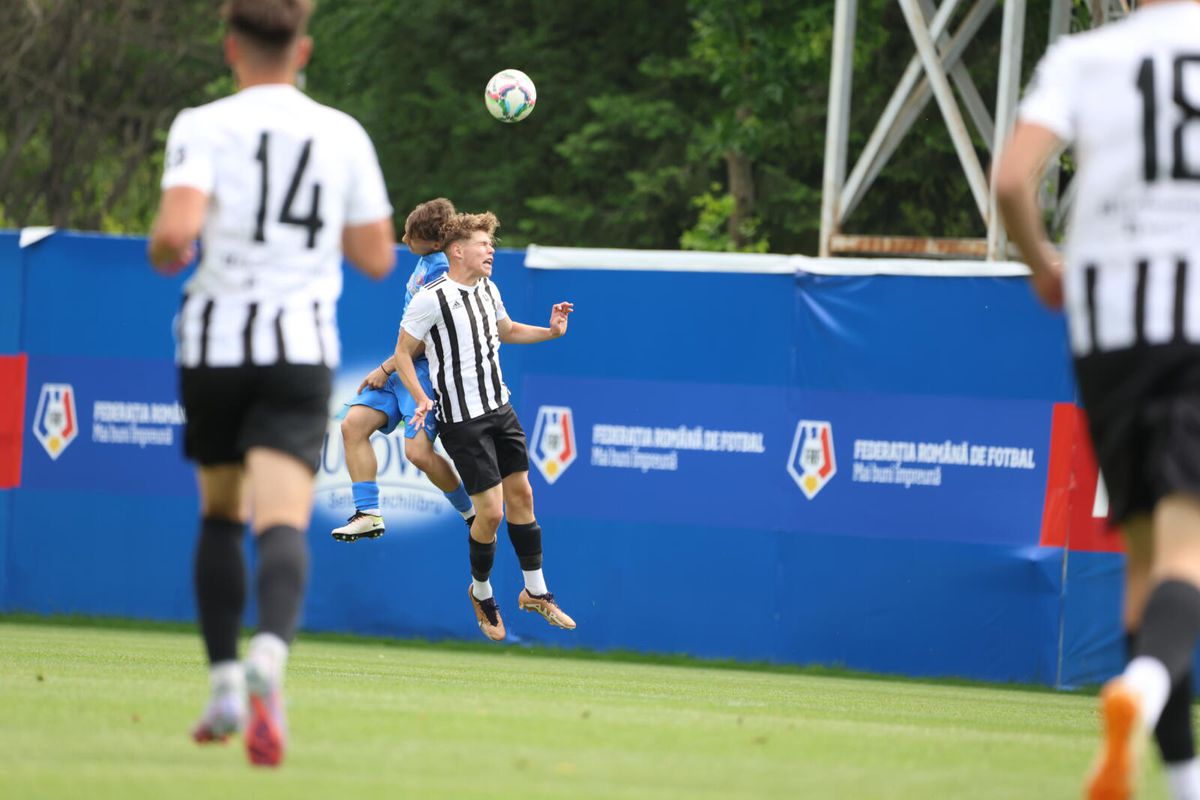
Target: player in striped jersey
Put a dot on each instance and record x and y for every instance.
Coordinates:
(279, 187)
(385, 403)
(461, 321)
(1127, 96)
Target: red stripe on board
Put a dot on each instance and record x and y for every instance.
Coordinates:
(12, 418)
(1056, 513)
(1087, 531)
(1072, 481)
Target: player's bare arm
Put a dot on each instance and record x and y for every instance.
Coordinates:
(407, 349)
(176, 228)
(1016, 179)
(377, 377)
(371, 247)
(519, 333)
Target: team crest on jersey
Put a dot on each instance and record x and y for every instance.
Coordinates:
(55, 423)
(553, 441)
(811, 463)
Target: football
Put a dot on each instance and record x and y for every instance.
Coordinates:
(510, 95)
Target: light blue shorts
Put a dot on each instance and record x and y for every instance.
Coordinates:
(395, 401)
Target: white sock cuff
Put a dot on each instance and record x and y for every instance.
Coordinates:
(226, 676)
(269, 653)
(535, 581)
(1149, 678)
(1183, 780)
(482, 590)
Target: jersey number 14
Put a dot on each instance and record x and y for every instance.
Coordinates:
(313, 222)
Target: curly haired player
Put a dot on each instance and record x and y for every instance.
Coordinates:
(461, 322)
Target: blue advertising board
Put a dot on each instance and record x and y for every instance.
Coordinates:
(779, 458)
(105, 425)
(957, 337)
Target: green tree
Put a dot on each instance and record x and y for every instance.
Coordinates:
(756, 74)
(89, 88)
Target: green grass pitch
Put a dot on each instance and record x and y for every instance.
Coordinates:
(103, 712)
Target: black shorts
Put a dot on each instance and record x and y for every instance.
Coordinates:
(1143, 408)
(231, 409)
(486, 449)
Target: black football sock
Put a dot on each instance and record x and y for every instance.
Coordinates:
(527, 543)
(1176, 741)
(1173, 733)
(282, 575)
(1170, 627)
(482, 558)
(219, 572)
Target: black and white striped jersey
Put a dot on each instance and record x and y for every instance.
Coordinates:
(283, 175)
(1127, 96)
(458, 325)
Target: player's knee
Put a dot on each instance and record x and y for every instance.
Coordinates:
(354, 426)
(486, 529)
(419, 456)
(519, 496)
(488, 519)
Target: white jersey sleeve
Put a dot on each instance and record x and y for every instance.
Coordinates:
(368, 197)
(189, 158)
(1049, 99)
(501, 311)
(422, 314)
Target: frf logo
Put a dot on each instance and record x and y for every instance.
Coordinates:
(55, 423)
(553, 441)
(811, 463)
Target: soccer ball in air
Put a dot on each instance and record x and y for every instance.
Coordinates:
(510, 95)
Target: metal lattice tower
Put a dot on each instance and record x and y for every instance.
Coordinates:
(933, 73)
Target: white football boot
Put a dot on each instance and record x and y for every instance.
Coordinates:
(362, 525)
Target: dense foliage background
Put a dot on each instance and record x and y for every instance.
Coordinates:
(660, 123)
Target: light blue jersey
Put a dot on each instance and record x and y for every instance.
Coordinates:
(429, 268)
(393, 399)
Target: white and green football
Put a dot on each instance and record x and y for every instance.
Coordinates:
(510, 95)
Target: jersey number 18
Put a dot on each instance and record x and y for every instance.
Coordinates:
(1145, 84)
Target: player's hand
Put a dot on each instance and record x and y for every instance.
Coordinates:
(376, 379)
(424, 407)
(558, 318)
(1047, 278)
(178, 265)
